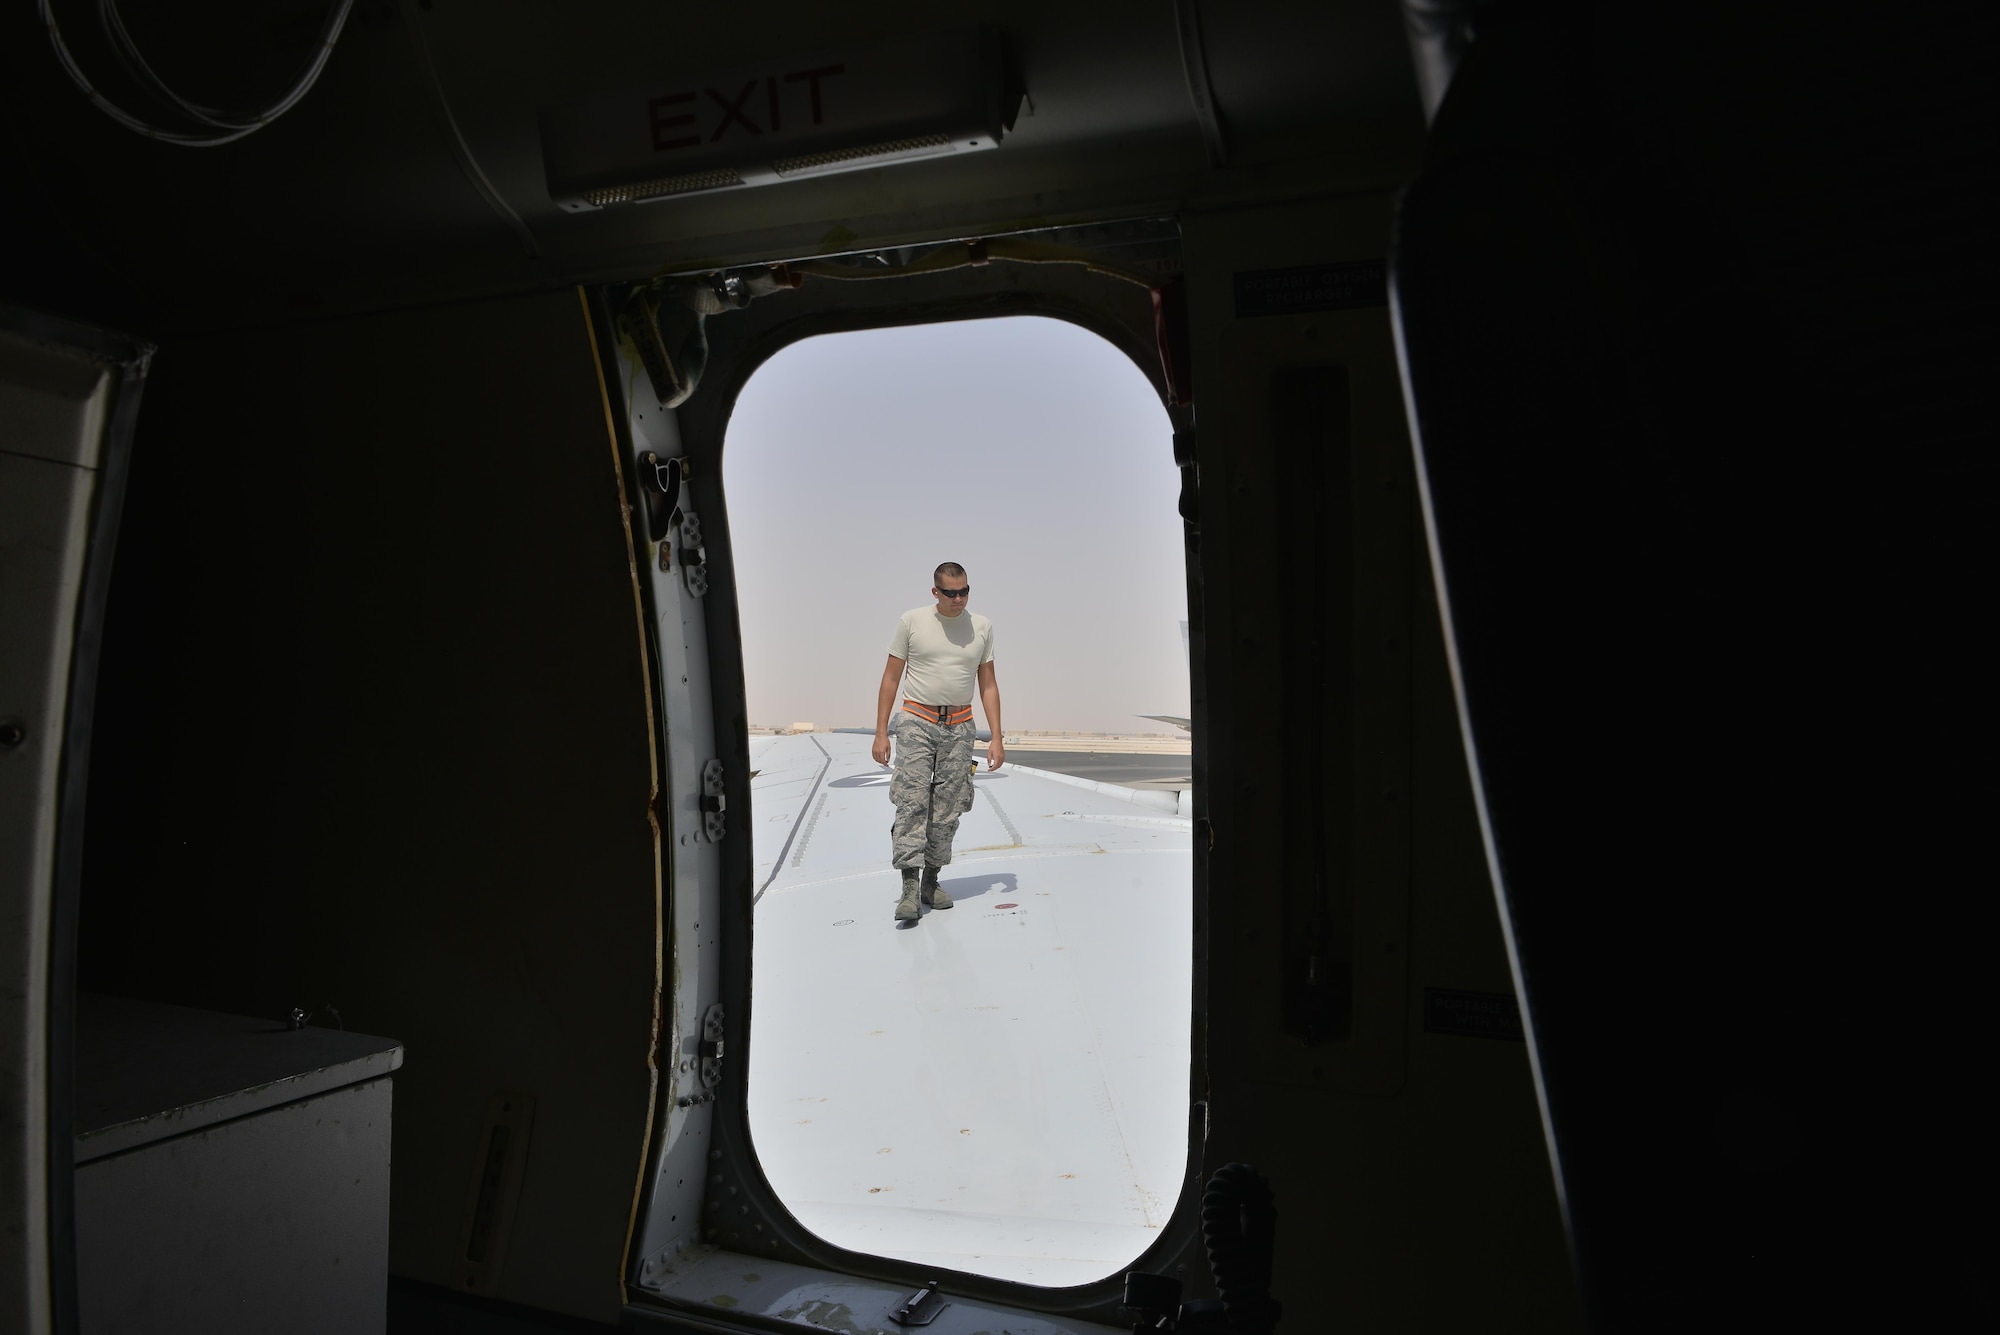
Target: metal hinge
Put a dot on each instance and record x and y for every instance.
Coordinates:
(709, 1048)
(694, 557)
(714, 802)
(708, 1058)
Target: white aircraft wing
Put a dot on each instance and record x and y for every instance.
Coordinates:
(1001, 1088)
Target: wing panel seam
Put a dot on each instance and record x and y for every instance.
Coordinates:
(825, 764)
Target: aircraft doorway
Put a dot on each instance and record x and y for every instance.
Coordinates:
(1002, 1088)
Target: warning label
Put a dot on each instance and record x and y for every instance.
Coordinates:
(1323, 287)
(1477, 1014)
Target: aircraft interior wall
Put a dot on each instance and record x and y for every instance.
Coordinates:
(68, 398)
(1403, 1146)
(374, 736)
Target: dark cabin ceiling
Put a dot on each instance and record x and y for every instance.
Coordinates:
(357, 198)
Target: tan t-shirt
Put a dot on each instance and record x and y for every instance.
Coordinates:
(944, 654)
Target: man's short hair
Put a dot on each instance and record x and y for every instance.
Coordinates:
(950, 569)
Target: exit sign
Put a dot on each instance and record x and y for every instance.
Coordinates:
(811, 115)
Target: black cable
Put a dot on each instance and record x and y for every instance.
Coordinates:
(222, 127)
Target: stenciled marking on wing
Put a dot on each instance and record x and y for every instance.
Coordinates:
(1005, 823)
(805, 835)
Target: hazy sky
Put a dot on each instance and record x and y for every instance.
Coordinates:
(1028, 450)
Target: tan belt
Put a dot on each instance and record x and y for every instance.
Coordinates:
(947, 715)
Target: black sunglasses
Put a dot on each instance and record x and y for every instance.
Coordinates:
(965, 592)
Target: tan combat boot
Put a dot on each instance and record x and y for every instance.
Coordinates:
(934, 895)
(906, 908)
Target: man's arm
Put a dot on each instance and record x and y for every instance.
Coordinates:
(989, 695)
(885, 700)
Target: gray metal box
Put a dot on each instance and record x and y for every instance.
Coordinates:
(232, 1174)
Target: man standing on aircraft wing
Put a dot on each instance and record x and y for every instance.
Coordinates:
(939, 653)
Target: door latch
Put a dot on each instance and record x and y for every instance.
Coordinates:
(660, 484)
(920, 1308)
(714, 802)
(1184, 459)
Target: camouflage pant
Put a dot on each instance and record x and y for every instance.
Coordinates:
(931, 790)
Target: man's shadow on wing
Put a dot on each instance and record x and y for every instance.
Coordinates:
(1000, 884)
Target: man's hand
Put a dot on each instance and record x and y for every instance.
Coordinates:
(885, 700)
(989, 695)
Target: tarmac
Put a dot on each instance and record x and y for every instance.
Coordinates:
(1166, 772)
